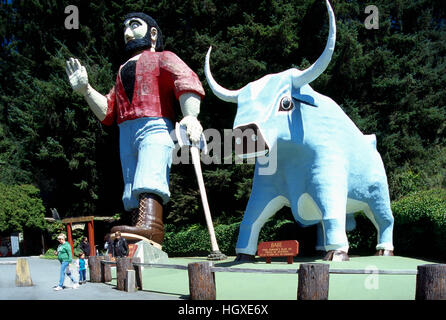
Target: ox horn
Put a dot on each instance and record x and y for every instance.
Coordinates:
(219, 91)
(301, 78)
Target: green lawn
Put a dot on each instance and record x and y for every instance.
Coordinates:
(254, 286)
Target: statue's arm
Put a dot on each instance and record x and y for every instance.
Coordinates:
(77, 74)
(97, 102)
(190, 107)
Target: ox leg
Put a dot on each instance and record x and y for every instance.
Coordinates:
(320, 234)
(259, 210)
(320, 237)
(335, 242)
(332, 206)
(380, 213)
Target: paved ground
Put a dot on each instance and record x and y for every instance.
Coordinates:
(45, 275)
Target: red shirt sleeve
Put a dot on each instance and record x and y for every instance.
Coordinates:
(111, 108)
(184, 79)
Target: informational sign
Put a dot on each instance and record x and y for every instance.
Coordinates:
(15, 249)
(269, 249)
(78, 226)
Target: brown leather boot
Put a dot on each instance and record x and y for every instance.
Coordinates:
(147, 220)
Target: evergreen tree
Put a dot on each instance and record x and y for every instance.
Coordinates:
(390, 81)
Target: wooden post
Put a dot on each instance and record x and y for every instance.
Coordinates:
(122, 265)
(70, 237)
(106, 275)
(313, 281)
(94, 263)
(201, 281)
(431, 282)
(23, 276)
(130, 281)
(91, 237)
(138, 273)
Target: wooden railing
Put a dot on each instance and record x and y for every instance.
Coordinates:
(313, 278)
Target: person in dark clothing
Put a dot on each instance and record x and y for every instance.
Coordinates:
(85, 247)
(120, 247)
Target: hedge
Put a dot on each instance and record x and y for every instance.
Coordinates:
(195, 240)
(420, 224)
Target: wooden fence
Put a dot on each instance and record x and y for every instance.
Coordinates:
(313, 278)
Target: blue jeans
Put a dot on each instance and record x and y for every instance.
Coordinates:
(63, 269)
(82, 275)
(145, 147)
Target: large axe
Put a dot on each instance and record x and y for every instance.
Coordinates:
(183, 140)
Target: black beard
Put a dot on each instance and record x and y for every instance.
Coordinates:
(136, 45)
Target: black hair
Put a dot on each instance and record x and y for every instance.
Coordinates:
(146, 41)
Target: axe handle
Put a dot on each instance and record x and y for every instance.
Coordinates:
(207, 212)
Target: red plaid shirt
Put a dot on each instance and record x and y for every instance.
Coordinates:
(160, 79)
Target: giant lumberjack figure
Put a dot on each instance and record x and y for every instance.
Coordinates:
(141, 103)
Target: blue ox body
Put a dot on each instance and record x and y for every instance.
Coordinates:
(324, 167)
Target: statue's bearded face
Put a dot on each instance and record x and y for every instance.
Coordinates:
(136, 35)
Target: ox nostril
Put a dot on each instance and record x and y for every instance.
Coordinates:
(238, 140)
(254, 137)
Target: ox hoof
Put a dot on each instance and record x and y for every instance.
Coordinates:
(243, 257)
(383, 252)
(336, 255)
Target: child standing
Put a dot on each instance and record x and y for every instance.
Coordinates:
(82, 268)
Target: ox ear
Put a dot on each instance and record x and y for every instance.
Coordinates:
(305, 95)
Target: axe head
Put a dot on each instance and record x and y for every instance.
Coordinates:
(183, 139)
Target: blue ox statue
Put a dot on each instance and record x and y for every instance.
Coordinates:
(326, 168)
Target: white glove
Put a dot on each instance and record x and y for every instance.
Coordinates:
(77, 74)
(193, 128)
(190, 106)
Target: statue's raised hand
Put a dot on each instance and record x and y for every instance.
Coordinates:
(77, 74)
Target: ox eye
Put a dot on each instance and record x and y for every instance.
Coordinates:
(286, 104)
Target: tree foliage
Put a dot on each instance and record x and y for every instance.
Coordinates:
(390, 81)
(20, 207)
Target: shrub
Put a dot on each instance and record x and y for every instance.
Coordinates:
(362, 239)
(20, 207)
(420, 224)
(49, 254)
(196, 241)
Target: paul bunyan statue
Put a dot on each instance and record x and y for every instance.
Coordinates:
(325, 167)
(142, 104)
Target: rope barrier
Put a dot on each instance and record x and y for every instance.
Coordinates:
(278, 271)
